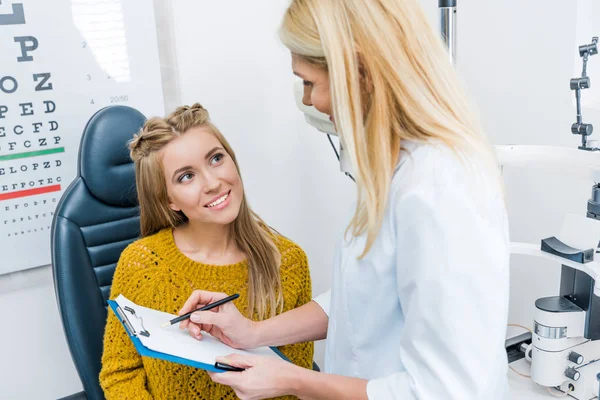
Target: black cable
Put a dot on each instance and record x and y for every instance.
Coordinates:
(338, 156)
(333, 146)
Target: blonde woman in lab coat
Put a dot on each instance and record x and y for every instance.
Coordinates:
(419, 301)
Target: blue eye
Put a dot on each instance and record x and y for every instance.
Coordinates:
(216, 158)
(185, 177)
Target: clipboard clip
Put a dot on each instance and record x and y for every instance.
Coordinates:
(130, 328)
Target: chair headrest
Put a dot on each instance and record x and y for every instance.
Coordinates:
(104, 162)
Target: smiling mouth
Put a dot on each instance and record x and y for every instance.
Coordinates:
(219, 200)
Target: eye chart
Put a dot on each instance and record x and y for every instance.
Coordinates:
(60, 62)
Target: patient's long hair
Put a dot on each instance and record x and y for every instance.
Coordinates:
(390, 80)
(250, 232)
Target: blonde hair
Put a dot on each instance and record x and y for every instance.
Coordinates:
(250, 232)
(390, 80)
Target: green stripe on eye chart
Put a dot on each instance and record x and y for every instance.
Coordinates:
(32, 154)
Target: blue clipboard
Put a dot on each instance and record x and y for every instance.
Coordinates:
(146, 352)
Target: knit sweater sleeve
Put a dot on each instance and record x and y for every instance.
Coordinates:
(297, 288)
(122, 375)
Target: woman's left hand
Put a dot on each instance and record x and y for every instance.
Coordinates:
(264, 377)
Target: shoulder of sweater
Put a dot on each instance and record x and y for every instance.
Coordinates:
(134, 260)
(146, 245)
(292, 255)
(285, 244)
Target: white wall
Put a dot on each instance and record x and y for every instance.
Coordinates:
(34, 359)
(516, 58)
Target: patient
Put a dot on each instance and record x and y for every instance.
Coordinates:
(198, 232)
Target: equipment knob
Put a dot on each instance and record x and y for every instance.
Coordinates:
(575, 357)
(572, 373)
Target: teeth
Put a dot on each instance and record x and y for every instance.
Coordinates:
(219, 201)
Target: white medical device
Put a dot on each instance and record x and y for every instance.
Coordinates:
(565, 351)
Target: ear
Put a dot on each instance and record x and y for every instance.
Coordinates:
(173, 206)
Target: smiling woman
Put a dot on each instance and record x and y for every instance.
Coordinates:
(206, 189)
(198, 232)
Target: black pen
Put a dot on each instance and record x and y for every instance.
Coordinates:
(227, 367)
(205, 308)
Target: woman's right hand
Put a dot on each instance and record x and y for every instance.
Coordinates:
(225, 322)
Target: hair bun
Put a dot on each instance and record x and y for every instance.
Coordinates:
(197, 106)
(186, 116)
(148, 138)
(157, 132)
(193, 109)
(136, 146)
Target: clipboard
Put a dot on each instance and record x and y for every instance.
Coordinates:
(172, 344)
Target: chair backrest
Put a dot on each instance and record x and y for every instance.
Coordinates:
(96, 218)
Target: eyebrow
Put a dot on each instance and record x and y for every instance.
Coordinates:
(298, 74)
(213, 151)
(177, 171)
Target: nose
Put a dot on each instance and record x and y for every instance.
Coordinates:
(212, 183)
(306, 97)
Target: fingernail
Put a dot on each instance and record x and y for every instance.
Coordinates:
(195, 318)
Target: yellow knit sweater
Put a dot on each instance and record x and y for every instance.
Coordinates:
(152, 272)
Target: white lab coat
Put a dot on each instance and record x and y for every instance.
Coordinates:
(423, 315)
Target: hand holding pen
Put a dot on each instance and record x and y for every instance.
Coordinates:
(224, 322)
(218, 365)
(204, 308)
